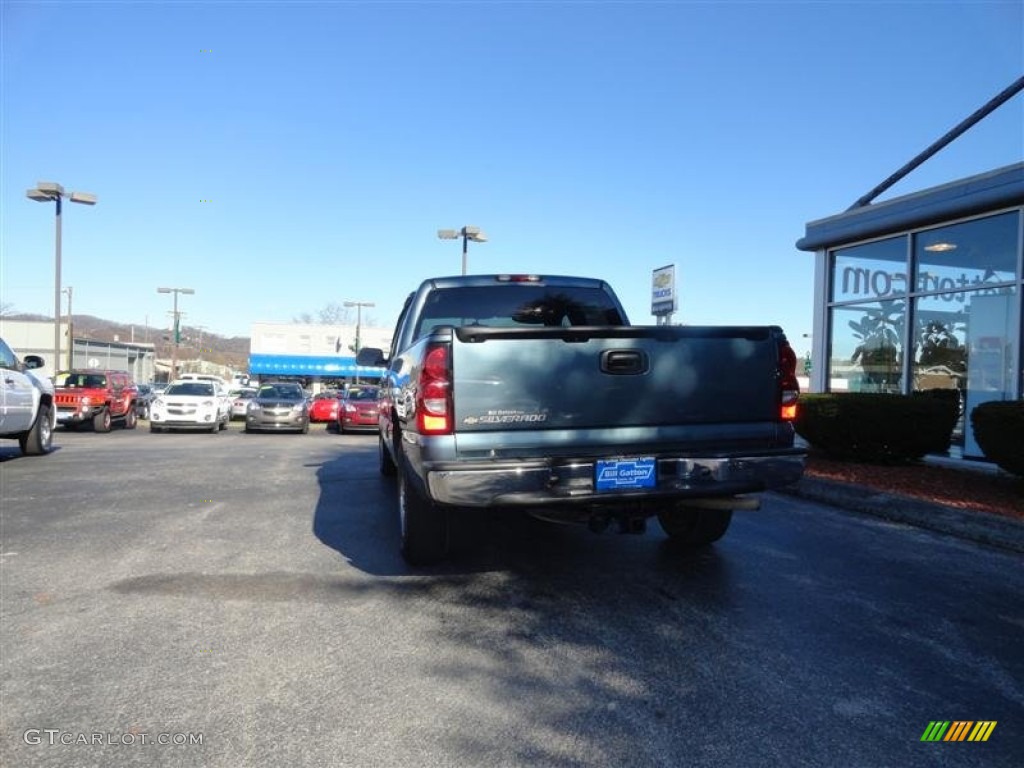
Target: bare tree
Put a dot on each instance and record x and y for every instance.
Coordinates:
(332, 314)
(6, 308)
(335, 314)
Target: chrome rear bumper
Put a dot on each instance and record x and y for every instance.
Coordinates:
(573, 481)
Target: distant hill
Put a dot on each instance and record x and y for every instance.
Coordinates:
(232, 352)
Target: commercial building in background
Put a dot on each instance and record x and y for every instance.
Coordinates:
(315, 352)
(924, 291)
(35, 337)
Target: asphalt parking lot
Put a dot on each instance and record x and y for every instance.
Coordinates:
(241, 598)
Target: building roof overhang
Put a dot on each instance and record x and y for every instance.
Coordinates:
(1001, 188)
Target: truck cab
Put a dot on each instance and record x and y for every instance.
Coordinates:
(26, 402)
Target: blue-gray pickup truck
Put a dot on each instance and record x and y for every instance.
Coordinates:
(535, 392)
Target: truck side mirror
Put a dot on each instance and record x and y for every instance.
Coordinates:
(32, 362)
(371, 357)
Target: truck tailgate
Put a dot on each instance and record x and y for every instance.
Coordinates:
(589, 378)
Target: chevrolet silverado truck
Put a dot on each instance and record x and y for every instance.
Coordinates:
(96, 397)
(26, 402)
(530, 392)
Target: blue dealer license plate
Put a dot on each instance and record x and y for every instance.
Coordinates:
(622, 474)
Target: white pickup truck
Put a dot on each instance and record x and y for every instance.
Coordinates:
(26, 402)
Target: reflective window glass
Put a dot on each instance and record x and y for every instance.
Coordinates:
(7, 356)
(867, 347)
(967, 255)
(869, 271)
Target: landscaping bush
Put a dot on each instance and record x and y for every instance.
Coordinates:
(878, 428)
(999, 430)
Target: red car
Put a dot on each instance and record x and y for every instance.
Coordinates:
(324, 408)
(358, 411)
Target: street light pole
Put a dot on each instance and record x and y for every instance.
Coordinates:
(359, 322)
(467, 233)
(177, 330)
(44, 192)
(71, 330)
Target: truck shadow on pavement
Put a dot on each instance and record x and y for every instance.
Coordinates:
(357, 516)
(588, 634)
(10, 451)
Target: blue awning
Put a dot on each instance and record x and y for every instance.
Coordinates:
(308, 365)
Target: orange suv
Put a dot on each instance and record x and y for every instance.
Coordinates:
(96, 396)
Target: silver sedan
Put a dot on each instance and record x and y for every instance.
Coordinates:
(278, 408)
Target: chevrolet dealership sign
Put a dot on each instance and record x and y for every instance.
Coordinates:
(663, 290)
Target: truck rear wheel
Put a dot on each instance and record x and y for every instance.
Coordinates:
(131, 419)
(424, 526)
(39, 439)
(101, 421)
(695, 527)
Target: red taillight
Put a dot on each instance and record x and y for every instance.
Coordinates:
(434, 397)
(789, 388)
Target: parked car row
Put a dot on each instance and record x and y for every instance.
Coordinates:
(352, 410)
(34, 405)
(203, 402)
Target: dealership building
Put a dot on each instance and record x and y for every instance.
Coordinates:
(922, 292)
(313, 352)
(35, 337)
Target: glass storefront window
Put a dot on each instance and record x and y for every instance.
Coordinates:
(867, 347)
(993, 343)
(965, 341)
(967, 255)
(870, 271)
(940, 347)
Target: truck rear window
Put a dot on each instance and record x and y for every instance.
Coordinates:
(505, 306)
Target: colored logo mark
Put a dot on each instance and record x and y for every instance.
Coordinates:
(958, 730)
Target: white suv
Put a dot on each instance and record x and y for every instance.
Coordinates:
(26, 402)
(190, 404)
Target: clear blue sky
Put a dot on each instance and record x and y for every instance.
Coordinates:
(331, 140)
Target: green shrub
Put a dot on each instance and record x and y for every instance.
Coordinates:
(877, 428)
(999, 430)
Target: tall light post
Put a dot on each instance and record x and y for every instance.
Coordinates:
(44, 192)
(359, 316)
(467, 233)
(71, 330)
(359, 323)
(177, 330)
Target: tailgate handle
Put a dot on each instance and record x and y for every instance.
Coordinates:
(623, 361)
